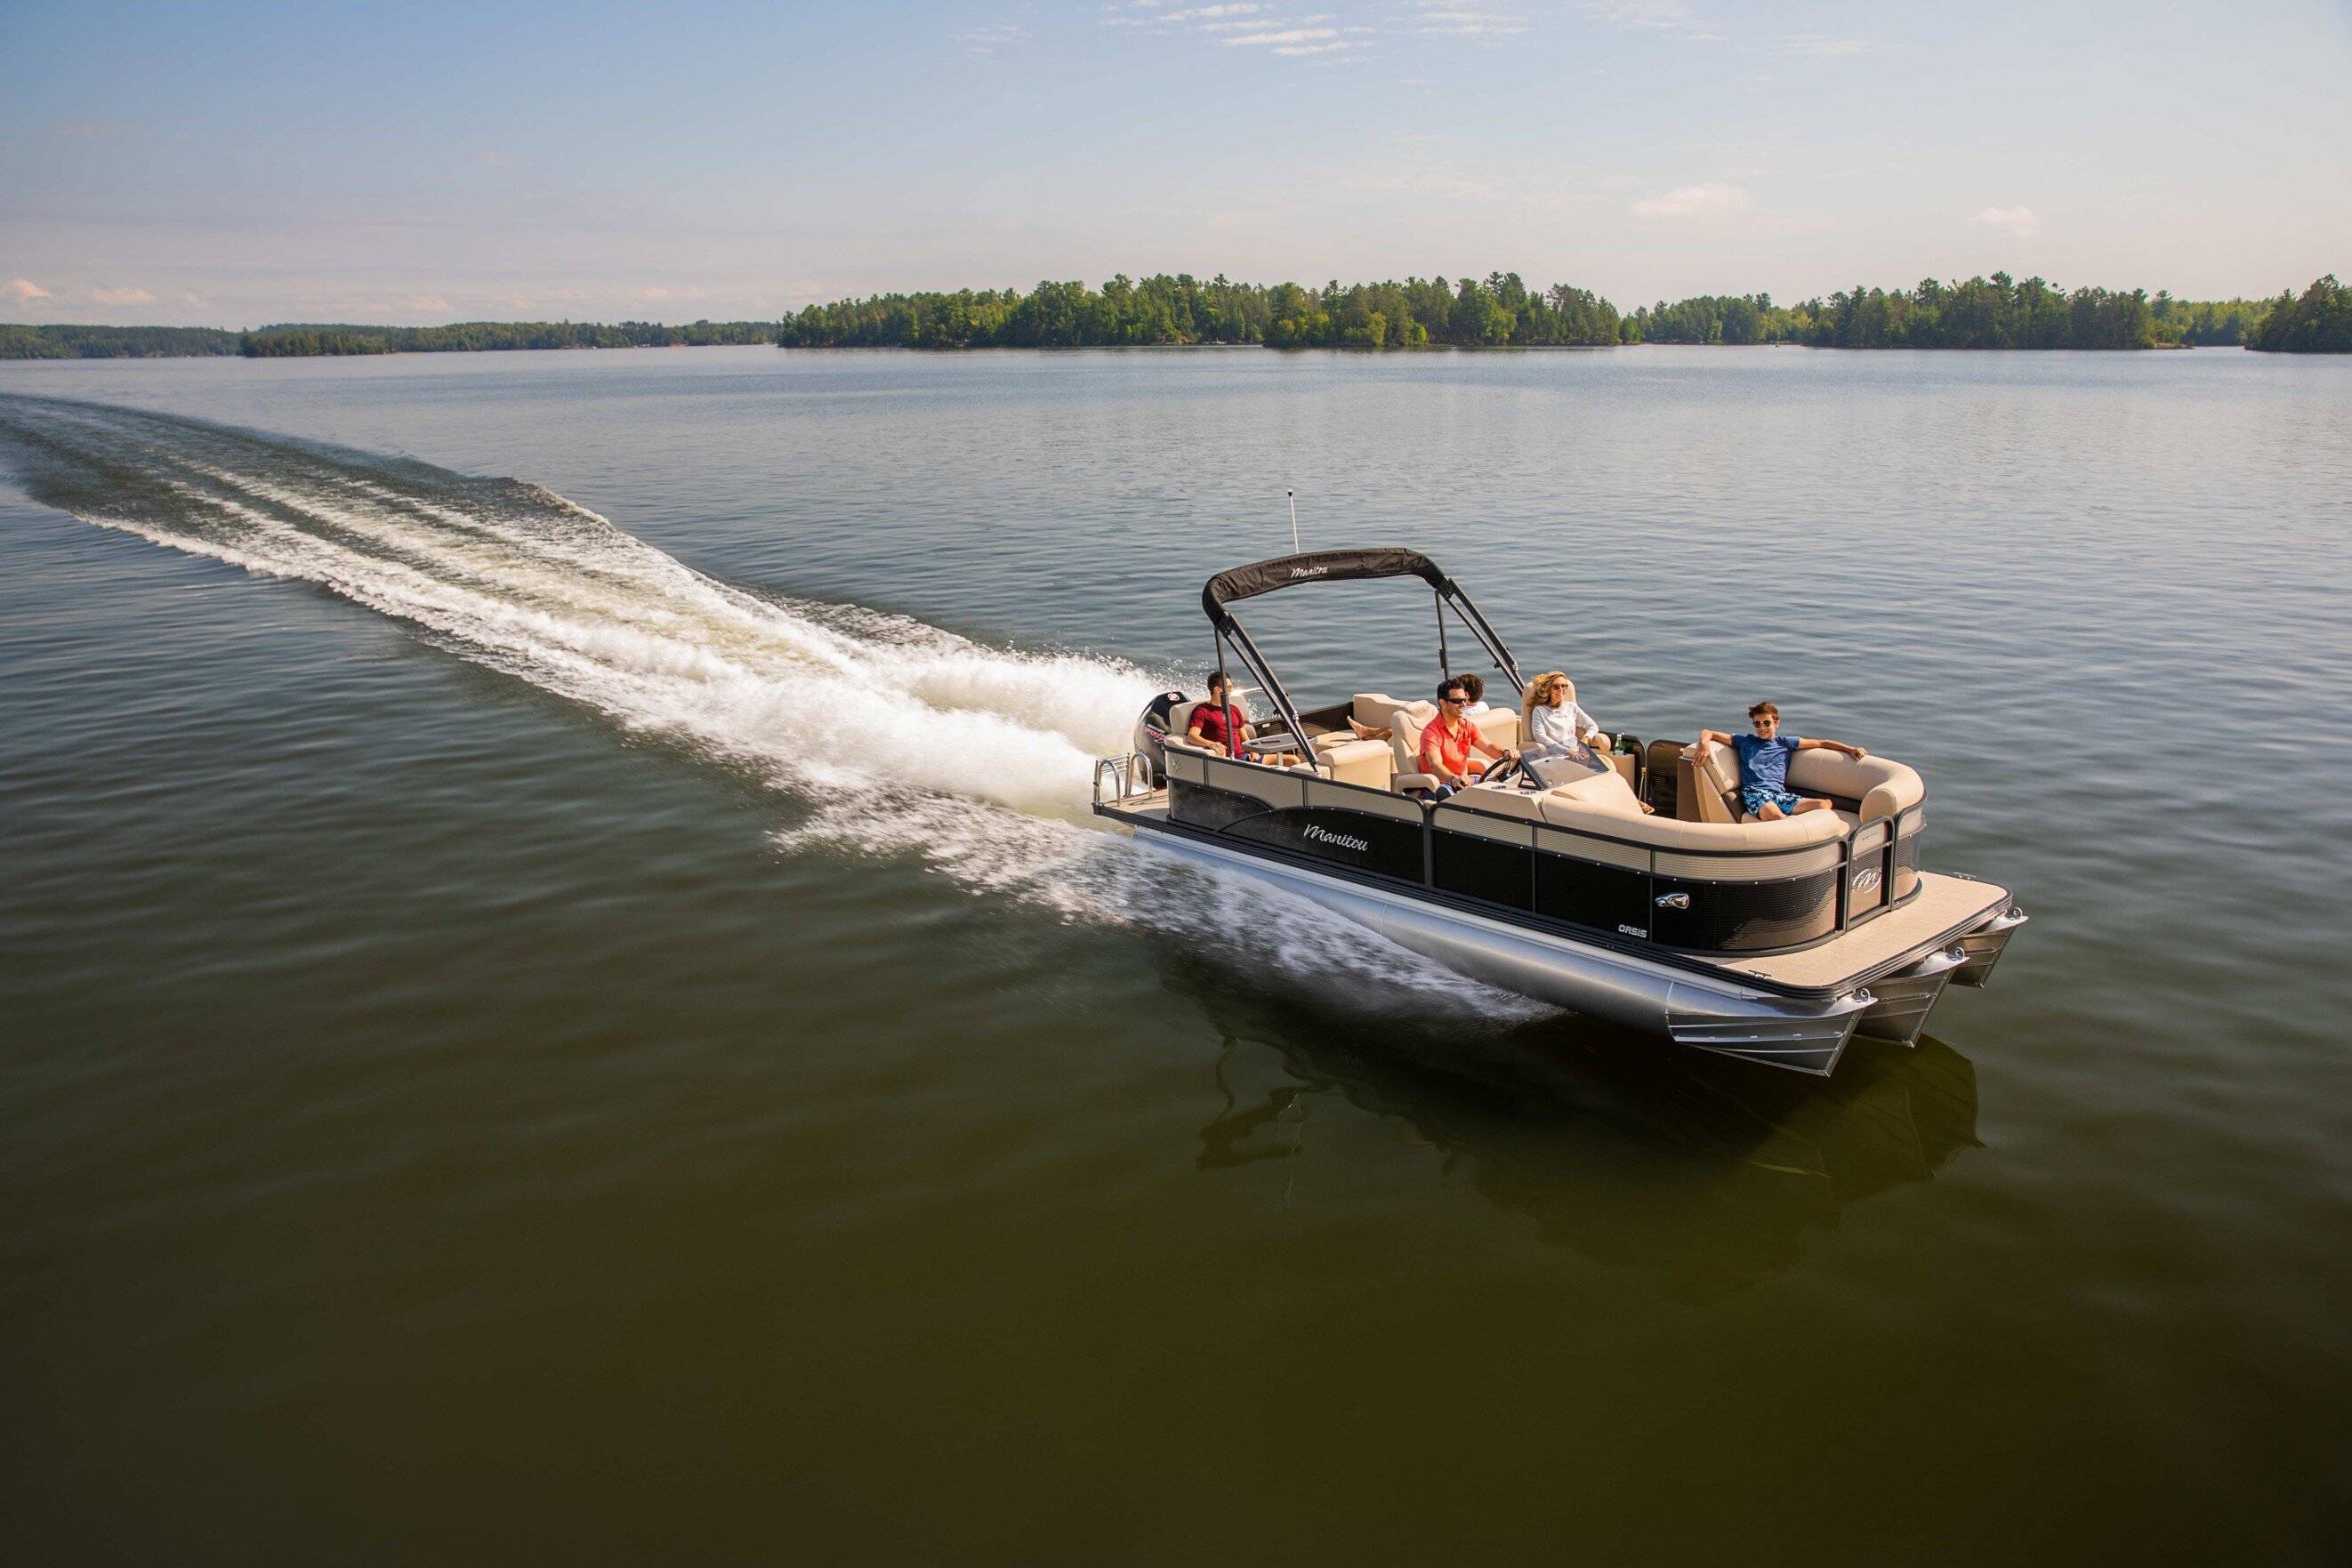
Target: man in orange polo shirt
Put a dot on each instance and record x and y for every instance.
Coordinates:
(1447, 741)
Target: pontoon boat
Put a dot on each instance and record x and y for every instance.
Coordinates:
(1774, 941)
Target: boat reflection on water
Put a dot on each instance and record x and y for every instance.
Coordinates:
(1706, 1173)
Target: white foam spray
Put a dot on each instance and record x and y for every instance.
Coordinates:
(897, 737)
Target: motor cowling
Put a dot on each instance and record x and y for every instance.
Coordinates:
(1152, 733)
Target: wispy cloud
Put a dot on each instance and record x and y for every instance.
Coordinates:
(1823, 45)
(1663, 15)
(122, 296)
(989, 39)
(656, 294)
(498, 157)
(1439, 175)
(1708, 201)
(2023, 222)
(1466, 23)
(1292, 36)
(90, 129)
(23, 291)
(431, 302)
(1247, 24)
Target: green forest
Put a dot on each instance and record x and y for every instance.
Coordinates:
(1184, 309)
(1996, 312)
(2318, 323)
(305, 339)
(1501, 312)
(114, 342)
(310, 340)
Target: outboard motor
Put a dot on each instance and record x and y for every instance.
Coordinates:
(1151, 734)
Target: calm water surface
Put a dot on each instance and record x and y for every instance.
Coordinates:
(561, 1002)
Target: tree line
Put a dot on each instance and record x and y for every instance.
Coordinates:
(310, 339)
(2318, 323)
(1182, 308)
(1499, 311)
(1996, 312)
(302, 341)
(114, 342)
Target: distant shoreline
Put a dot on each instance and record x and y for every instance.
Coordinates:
(1981, 315)
(10, 354)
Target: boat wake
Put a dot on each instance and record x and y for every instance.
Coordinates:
(893, 736)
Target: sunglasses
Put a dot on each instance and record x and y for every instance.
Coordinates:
(1454, 700)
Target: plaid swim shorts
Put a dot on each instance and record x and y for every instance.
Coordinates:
(1756, 796)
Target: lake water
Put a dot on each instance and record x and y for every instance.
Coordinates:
(561, 1002)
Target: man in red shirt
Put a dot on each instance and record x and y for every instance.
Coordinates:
(1218, 726)
(1447, 741)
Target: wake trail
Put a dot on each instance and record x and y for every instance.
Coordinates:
(896, 737)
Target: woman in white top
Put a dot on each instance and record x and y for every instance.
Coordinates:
(1555, 726)
(1563, 744)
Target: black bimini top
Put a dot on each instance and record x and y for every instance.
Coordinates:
(1317, 566)
(1341, 566)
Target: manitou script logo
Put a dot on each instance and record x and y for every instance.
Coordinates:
(1337, 841)
(1299, 571)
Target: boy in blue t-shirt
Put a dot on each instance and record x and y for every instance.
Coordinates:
(1764, 765)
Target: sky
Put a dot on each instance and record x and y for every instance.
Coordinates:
(233, 164)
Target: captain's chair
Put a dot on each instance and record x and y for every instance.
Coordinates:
(1179, 727)
(1180, 724)
(1498, 726)
(1406, 725)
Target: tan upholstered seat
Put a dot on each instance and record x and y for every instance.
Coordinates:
(1374, 710)
(1602, 792)
(1606, 791)
(1371, 709)
(1811, 842)
(1502, 800)
(1405, 723)
(1884, 786)
(1500, 726)
(1179, 722)
(1707, 785)
(1371, 763)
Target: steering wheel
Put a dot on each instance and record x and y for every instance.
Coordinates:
(1509, 766)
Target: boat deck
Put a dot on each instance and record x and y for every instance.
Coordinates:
(1945, 907)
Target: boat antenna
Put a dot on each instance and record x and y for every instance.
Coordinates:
(1292, 496)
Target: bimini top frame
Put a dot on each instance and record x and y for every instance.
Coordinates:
(1339, 566)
